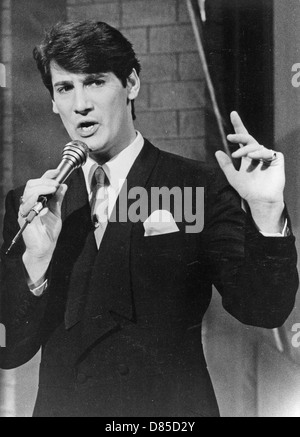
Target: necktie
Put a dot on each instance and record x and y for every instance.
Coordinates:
(99, 203)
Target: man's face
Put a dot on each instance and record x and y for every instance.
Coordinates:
(95, 109)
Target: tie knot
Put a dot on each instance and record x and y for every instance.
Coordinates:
(99, 179)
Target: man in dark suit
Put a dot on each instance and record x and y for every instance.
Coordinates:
(117, 305)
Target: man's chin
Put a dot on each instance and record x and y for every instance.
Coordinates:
(92, 142)
(94, 148)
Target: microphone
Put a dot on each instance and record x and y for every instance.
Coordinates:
(74, 156)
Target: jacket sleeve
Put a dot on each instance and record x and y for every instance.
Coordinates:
(21, 312)
(256, 276)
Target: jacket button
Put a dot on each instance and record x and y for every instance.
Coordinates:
(81, 378)
(123, 370)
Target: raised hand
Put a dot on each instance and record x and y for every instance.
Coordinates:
(260, 180)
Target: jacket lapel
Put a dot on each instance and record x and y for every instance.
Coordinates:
(110, 284)
(76, 249)
(76, 197)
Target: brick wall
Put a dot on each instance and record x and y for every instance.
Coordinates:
(170, 106)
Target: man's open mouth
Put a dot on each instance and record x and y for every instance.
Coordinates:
(87, 128)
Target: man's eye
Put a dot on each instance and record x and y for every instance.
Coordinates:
(97, 83)
(64, 89)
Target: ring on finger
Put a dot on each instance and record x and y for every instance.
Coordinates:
(274, 155)
(272, 158)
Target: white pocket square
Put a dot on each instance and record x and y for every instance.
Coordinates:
(160, 222)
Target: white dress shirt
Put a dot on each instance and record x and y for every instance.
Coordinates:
(116, 170)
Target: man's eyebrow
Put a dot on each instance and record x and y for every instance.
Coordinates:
(63, 82)
(87, 78)
(94, 76)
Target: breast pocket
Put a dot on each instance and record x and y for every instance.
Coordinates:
(162, 244)
(175, 247)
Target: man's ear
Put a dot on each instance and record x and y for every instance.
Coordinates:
(133, 85)
(54, 107)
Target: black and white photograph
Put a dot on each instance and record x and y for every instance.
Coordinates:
(149, 211)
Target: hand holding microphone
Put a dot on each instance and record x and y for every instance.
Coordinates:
(47, 194)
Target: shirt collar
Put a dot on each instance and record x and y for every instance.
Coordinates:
(118, 167)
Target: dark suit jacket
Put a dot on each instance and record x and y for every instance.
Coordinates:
(121, 328)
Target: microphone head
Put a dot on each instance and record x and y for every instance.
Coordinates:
(76, 152)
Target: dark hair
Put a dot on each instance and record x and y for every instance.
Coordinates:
(86, 47)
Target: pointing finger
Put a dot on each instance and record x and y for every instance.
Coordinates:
(238, 124)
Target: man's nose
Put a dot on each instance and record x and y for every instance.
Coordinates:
(82, 103)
